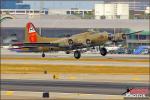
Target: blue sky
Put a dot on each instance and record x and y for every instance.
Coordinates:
(62, 4)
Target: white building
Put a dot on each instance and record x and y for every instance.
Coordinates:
(111, 11)
(23, 11)
(57, 11)
(147, 10)
(74, 11)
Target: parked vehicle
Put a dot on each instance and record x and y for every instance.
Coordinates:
(142, 50)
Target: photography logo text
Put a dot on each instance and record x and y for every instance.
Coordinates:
(137, 93)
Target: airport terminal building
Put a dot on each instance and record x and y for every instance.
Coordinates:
(107, 9)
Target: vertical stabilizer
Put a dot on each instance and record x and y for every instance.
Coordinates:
(31, 34)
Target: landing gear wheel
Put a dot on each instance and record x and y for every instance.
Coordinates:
(77, 54)
(67, 52)
(43, 54)
(103, 51)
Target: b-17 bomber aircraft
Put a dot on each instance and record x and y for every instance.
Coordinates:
(34, 42)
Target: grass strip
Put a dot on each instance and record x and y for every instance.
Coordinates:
(82, 59)
(33, 68)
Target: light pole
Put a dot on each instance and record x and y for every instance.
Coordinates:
(41, 8)
(134, 9)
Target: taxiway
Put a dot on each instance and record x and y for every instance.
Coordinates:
(70, 86)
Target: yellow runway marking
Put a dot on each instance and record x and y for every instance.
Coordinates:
(9, 93)
(72, 78)
(136, 79)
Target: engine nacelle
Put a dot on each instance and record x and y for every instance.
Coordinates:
(88, 41)
(70, 42)
(124, 36)
(119, 37)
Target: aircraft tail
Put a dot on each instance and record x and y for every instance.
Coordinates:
(32, 36)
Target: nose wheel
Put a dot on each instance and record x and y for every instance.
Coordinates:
(67, 52)
(103, 51)
(77, 54)
(43, 54)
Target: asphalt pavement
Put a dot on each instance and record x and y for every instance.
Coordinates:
(69, 86)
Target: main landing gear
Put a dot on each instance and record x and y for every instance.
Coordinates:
(77, 54)
(103, 51)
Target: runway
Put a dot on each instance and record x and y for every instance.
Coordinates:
(24, 72)
(108, 88)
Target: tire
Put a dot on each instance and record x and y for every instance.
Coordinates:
(103, 51)
(77, 54)
(43, 55)
(67, 52)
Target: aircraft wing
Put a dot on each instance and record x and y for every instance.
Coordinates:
(36, 44)
(53, 46)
